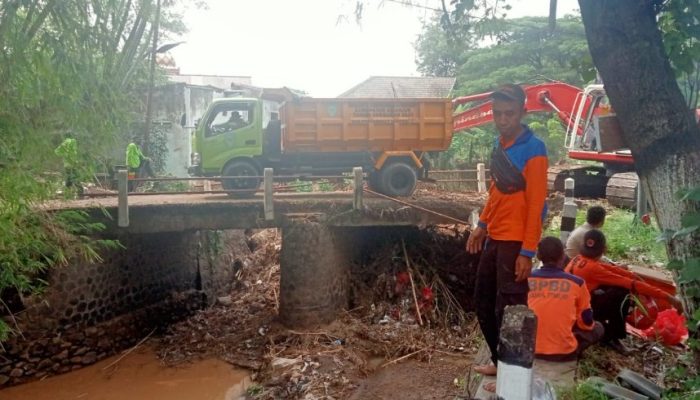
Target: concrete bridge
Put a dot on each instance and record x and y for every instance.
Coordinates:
(315, 236)
(182, 251)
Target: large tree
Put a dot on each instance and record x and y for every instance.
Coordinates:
(627, 48)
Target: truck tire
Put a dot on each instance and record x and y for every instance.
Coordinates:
(374, 181)
(398, 179)
(241, 168)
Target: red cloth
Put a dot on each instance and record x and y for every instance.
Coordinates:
(669, 326)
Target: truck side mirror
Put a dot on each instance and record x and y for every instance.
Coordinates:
(183, 120)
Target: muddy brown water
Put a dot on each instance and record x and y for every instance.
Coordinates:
(138, 376)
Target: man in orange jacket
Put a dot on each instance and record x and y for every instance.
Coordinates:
(610, 289)
(511, 223)
(562, 304)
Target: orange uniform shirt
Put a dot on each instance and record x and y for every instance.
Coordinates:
(518, 216)
(559, 300)
(597, 273)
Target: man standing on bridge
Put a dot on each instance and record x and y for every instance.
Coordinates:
(511, 223)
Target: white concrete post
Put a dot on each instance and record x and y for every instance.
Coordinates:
(516, 353)
(357, 185)
(481, 177)
(123, 202)
(267, 195)
(568, 215)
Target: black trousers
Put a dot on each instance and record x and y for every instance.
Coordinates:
(496, 288)
(610, 306)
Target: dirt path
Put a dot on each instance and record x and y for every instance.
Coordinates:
(441, 378)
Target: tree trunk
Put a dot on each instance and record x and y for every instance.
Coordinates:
(660, 130)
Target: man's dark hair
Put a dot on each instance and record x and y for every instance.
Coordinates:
(593, 244)
(550, 251)
(595, 215)
(510, 92)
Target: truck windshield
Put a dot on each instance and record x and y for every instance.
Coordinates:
(230, 117)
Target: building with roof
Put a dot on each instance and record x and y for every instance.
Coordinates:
(402, 87)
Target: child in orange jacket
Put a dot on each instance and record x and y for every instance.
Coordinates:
(562, 304)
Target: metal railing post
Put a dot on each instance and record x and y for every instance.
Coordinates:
(481, 177)
(268, 204)
(357, 188)
(123, 202)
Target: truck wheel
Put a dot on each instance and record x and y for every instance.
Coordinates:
(375, 182)
(398, 179)
(241, 168)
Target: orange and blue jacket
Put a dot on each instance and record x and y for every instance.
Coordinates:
(597, 273)
(518, 216)
(559, 300)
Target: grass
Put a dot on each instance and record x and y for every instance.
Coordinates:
(582, 391)
(628, 239)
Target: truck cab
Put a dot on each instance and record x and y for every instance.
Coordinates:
(232, 128)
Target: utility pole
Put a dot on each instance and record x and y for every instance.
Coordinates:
(552, 16)
(149, 99)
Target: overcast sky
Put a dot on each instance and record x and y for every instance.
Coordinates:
(300, 43)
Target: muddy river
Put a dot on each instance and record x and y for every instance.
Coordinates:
(138, 376)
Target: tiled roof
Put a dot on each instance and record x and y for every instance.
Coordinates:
(402, 87)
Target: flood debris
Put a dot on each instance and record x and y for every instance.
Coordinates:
(381, 328)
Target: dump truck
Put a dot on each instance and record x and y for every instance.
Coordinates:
(388, 138)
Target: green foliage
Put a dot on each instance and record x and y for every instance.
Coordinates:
(627, 238)
(680, 26)
(519, 50)
(688, 269)
(526, 51)
(67, 68)
(302, 186)
(582, 391)
(552, 132)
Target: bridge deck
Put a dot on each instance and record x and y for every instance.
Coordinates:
(174, 213)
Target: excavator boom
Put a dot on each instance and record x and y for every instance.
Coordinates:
(558, 97)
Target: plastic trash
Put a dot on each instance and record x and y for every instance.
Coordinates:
(669, 327)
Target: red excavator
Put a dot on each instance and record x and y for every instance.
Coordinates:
(592, 134)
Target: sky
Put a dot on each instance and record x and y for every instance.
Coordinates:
(302, 45)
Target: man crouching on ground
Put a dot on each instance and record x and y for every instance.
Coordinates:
(562, 304)
(511, 223)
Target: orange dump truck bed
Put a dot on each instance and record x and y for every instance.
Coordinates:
(338, 125)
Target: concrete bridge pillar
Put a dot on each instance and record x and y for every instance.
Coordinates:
(314, 275)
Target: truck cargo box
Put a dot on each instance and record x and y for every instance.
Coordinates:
(375, 125)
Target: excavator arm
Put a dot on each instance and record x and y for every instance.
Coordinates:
(558, 97)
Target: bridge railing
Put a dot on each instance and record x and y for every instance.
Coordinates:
(461, 180)
(268, 188)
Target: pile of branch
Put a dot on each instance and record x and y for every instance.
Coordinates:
(390, 321)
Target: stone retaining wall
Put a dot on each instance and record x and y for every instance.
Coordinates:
(91, 311)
